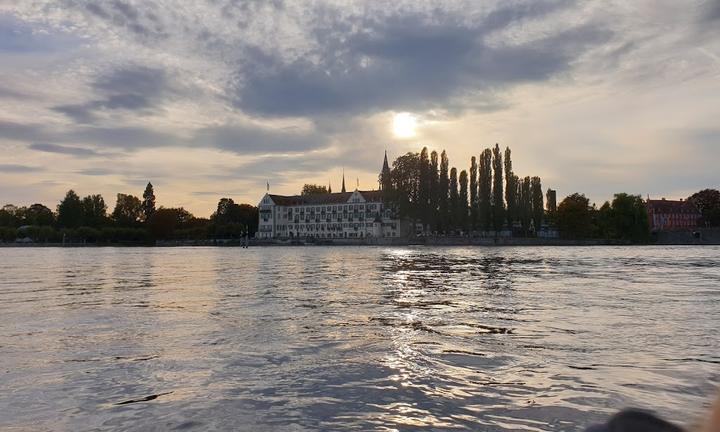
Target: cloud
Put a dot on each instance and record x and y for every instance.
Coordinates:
(245, 139)
(409, 62)
(143, 23)
(61, 149)
(16, 168)
(132, 88)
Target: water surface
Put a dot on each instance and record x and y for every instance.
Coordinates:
(354, 338)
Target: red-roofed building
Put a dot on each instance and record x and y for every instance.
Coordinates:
(672, 215)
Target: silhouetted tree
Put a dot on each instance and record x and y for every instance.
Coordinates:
(485, 189)
(9, 217)
(38, 214)
(473, 203)
(313, 189)
(444, 188)
(463, 201)
(94, 211)
(405, 176)
(497, 192)
(453, 219)
(166, 221)
(425, 186)
(624, 219)
(707, 201)
(574, 217)
(538, 208)
(148, 204)
(510, 189)
(70, 211)
(525, 203)
(435, 188)
(128, 210)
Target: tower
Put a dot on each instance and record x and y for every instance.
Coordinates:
(385, 175)
(343, 182)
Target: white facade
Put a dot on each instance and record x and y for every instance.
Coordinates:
(357, 214)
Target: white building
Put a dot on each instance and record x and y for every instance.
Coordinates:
(357, 214)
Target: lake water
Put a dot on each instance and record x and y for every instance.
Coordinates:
(354, 338)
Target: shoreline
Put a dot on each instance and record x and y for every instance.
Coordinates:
(430, 242)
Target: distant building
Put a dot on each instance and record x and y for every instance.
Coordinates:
(671, 215)
(357, 214)
(551, 199)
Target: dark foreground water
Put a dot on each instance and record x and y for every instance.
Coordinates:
(348, 338)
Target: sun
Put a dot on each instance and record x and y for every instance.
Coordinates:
(404, 125)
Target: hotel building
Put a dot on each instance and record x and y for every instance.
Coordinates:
(357, 214)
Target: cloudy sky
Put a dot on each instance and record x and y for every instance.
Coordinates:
(213, 98)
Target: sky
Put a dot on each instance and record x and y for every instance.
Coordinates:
(215, 98)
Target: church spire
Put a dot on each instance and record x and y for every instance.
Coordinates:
(385, 163)
(329, 187)
(343, 183)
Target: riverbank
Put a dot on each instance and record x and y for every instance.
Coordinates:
(704, 236)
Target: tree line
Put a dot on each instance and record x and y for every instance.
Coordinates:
(133, 220)
(490, 197)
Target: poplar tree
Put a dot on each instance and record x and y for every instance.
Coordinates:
(497, 192)
(463, 201)
(424, 186)
(525, 203)
(435, 188)
(510, 189)
(473, 192)
(538, 208)
(485, 189)
(148, 204)
(453, 215)
(444, 188)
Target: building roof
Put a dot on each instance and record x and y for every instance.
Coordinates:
(671, 206)
(328, 198)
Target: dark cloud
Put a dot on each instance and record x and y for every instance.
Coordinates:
(7, 93)
(15, 168)
(254, 140)
(61, 149)
(408, 62)
(712, 10)
(96, 172)
(142, 23)
(131, 88)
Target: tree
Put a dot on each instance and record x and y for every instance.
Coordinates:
(498, 204)
(405, 176)
(473, 192)
(454, 216)
(525, 203)
(313, 189)
(148, 204)
(9, 217)
(70, 211)
(485, 189)
(38, 214)
(574, 217)
(166, 221)
(463, 201)
(624, 219)
(538, 207)
(435, 189)
(444, 191)
(94, 211)
(707, 201)
(425, 186)
(128, 210)
(510, 189)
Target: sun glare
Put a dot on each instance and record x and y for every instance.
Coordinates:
(404, 125)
